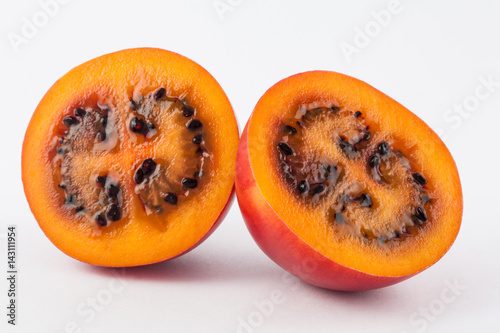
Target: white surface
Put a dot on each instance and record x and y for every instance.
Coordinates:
(429, 57)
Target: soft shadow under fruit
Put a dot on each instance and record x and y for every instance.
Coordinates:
(129, 158)
(344, 187)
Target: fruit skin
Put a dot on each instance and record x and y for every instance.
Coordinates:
(284, 247)
(216, 224)
(273, 234)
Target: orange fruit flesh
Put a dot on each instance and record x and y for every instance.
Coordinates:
(141, 235)
(310, 217)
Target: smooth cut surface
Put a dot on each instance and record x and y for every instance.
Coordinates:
(137, 238)
(425, 151)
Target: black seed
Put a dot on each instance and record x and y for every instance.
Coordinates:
(357, 114)
(319, 189)
(61, 140)
(79, 112)
(104, 121)
(113, 190)
(70, 121)
(335, 108)
(299, 123)
(171, 198)
(60, 150)
(339, 218)
(189, 182)
(194, 125)
(137, 125)
(419, 178)
(63, 186)
(139, 176)
(101, 180)
(285, 148)
(374, 161)
(200, 151)
(148, 166)
(101, 220)
(347, 147)
(383, 148)
(114, 213)
(134, 106)
(196, 174)
(290, 130)
(160, 93)
(367, 136)
(79, 209)
(365, 200)
(420, 214)
(187, 111)
(197, 139)
(303, 186)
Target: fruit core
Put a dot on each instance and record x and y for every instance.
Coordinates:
(90, 138)
(333, 160)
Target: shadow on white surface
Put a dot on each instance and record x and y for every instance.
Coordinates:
(194, 267)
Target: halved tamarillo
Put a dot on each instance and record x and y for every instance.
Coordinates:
(344, 187)
(129, 158)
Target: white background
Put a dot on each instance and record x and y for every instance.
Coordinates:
(427, 55)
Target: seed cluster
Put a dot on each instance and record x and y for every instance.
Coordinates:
(156, 188)
(110, 195)
(317, 178)
(153, 186)
(95, 119)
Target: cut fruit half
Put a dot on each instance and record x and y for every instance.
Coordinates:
(129, 158)
(344, 187)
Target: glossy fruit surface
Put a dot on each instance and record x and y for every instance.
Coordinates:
(344, 187)
(129, 158)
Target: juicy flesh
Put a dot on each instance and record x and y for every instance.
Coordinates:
(388, 121)
(113, 81)
(332, 161)
(89, 142)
